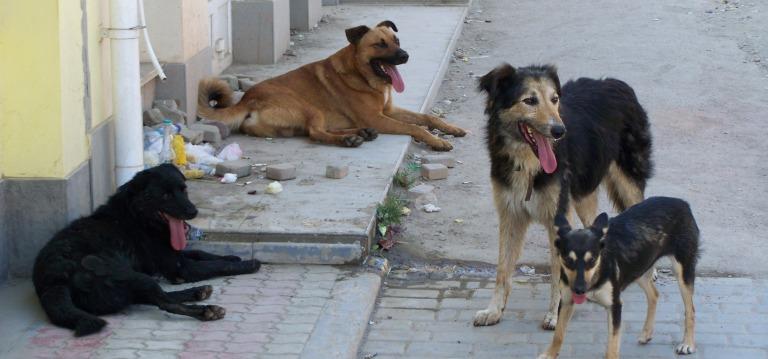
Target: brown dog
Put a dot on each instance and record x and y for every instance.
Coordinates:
(344, 99)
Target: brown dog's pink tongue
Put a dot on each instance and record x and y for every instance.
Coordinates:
(397, 80)
(546, 154)
(579, 298)
(178, 232)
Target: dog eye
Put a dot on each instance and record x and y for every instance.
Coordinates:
(555, 99)
(530, 101)
(381, 45)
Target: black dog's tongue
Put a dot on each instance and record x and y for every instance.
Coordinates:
(178, 232)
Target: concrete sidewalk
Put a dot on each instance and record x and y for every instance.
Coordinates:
(288, 311)
(433, 319)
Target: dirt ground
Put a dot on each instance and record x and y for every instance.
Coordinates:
(699, 67)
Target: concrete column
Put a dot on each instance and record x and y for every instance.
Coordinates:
(260, 30)
(330, 2)
(305, 14)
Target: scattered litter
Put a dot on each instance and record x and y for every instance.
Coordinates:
(268, 138)
(460, 162)
(458, 220)
(229, 178)
(478, 57)
(246, 183)
(194, 233)
(405, 211)
(429, 208)
(371, 322)
(370, 355)
(201, 154)
(193, 173)
(527, 270)
(274, 188)
(230, 153)
(466, 182)
(253, 192)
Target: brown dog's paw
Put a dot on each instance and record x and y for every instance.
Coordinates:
(204, 292)
(368, 134)
(456, 131)
(213, 312)
(352, 141)
(441, 145)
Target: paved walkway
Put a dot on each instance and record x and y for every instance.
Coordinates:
(270, 314)
(433, 320)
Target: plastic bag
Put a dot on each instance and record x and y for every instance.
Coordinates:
(201, 154)
(231, 152)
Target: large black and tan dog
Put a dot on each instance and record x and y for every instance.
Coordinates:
(102, 263)
(601, 261)
(344, 99)
(549, 145)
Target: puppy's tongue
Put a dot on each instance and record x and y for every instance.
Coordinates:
(178, 232)
(546, 154)
(578, 298)
(397, 80)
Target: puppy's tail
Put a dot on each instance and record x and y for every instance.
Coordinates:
(57, 303)
(214, 102)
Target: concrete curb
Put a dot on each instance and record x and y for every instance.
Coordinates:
(286, 253)
(340, 329)
(434, 88)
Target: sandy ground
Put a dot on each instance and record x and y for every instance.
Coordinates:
(699, 67)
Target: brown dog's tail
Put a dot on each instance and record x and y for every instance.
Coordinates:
(214, 102)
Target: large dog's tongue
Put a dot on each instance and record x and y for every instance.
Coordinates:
(178, 232)
(578, 298)
(397, 80)
(546, 154)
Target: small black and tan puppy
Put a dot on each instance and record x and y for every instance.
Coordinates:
(599, 262)
(102, 263)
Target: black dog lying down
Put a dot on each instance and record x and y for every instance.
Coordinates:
(102, 263)
(601, 261)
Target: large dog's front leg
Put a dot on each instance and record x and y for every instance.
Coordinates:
(199, 255)
(194, 271)
(512, 228)
(421, 119)
(550, 319)
(386, 124)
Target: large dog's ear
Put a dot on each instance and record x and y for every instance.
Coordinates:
(551, 71)
(494, 80)
(356, 33)
(388, 24)
(600, 225)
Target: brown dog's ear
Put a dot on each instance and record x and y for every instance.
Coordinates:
(492, 81)
(551, 71)
(356, 33)
(388, 24)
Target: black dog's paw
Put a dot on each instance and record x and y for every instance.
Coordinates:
(203, 292)
(352, 141)
(213, 312)
(232, 258)
(253, 265)
(89, 326)
(368, 134)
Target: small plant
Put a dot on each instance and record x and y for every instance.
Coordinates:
(388, 219)
(407, 175)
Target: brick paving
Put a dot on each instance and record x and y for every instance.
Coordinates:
(432, 319)
(270, 314)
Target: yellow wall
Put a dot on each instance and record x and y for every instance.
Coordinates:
(99, 62)
(42, 84)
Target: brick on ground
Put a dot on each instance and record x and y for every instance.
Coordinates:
(192, 136)
(446, 160)
(336, 171)
(246, 83)
(241, 168)
(434, 171)
(232, 81)
(211, 133)
(153, 117)
(223, 129)
(281, 172)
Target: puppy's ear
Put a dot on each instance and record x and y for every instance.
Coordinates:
(562, 225)
(388, 24)
(356, 33)
(551, 71)
(600, 225)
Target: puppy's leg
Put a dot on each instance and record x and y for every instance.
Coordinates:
(385, 124)
(421, 119)
(652, 296)
(614, 330)
(194, 271)
(688, 345)
(191, 294)
(550, 319)
(147, 291)
(512, 228)
(563, 317)
(199, 255)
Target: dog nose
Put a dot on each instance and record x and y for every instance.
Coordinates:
(557, 131)
(579, 290)
(402, 55)
(192, 212)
